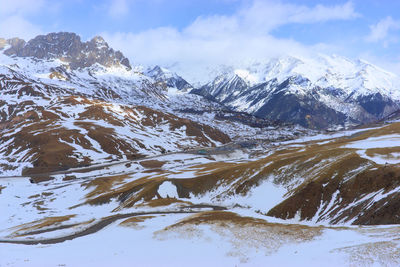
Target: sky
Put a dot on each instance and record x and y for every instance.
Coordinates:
(210, 32)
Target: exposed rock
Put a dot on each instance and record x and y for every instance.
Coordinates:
(378, 105)
(297, 100)
(223, 89)
(319, 92)
(69, 48)
(16, 46)
(304, 110)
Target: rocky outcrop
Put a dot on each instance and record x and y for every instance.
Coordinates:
(16, 46)
(69, 48)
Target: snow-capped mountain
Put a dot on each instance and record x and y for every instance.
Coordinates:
(69, 48)
(168, 77)
(315, 92)
(66, 103)
(93, 148)
(57, 81)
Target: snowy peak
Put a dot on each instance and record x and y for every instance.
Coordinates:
(168, 77)
(223, 88)
(158, 72)
(317, 92)
(352, 76)
(69, 48)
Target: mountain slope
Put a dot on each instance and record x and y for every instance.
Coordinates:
(65, 104)
(75, 131)
(54, 118)
(170, 79)
(316, 93)
(92, 150)
(226, 198)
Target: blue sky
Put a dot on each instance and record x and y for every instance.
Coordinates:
(216, 31)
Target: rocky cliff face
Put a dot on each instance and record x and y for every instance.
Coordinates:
(69, 48)
(223, 89)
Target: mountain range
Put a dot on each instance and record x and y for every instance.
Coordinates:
(262, 156)
(321, 92)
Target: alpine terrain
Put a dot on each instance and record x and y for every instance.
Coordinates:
(322, 92)
(107, 162)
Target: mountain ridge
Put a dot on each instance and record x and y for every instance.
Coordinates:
(69, 48)
(35, 89)
(104, 152)
(346, 91)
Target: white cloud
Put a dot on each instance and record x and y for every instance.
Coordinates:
(118, 8)
(17, 26)
(217, 39)
(381, 31)
(268, 15)
(264, 16)
(20, 7)
(14, 22)
(322, 13)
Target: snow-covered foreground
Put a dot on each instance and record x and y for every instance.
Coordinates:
(149, 244)
(219, 208)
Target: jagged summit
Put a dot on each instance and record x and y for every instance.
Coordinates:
(99, 42)
(69, 48)
(170, 78)
(319, 91)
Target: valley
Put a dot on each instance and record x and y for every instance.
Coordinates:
(114, 162)
(187, 197)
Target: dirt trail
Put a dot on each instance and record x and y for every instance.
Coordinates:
(101, 224)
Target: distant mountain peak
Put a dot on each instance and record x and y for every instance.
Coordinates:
(171, 79)
(69, 48)
(316, 92)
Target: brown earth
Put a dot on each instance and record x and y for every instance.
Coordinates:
(240, 232)
(134, 221)
(37, 225)
(307, 201)
(324, 182)
(151, 164)
(339, 178)
(47, 145)
(226, 217)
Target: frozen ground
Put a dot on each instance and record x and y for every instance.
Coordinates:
(41, 223)
(149, 244)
